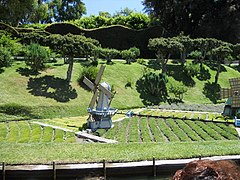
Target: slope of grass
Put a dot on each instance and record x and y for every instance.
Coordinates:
(45, 97)
(35, 153)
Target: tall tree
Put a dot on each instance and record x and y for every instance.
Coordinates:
(215, 18)
(71, 46)
(15, 11)
(63, 10)
(164, 48)
(40, 14)
(220, 54)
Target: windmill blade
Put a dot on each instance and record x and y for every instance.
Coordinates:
(99, 75)
(225, 93)
(88, 83)
(236, 101)
(94, 99)
(105, 91)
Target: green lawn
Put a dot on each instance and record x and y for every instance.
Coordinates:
(35, 153)
(46, 97)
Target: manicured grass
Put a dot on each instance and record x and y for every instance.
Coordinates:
(163, 130)
(51, 102)
(35, 153)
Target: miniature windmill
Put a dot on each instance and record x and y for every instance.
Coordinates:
(100, 114)
(232, 105)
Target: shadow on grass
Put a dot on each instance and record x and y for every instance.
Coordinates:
(204, 74)
(237, 68)
(213, 66)
(154, 64)
(176, 71)
(17, 110)
(52, 87)
(212, 91)
(1, 70)
(27, 72)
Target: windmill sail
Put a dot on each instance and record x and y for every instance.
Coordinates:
(88, 83)
(99, 75)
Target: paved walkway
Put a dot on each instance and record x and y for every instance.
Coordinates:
(116, 165)
(79, 134)
(54, 127)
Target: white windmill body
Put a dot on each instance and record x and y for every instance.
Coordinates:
(99, 108)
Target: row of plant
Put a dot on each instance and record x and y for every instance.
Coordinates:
(27, 132)
(210, 116)
(143, 129)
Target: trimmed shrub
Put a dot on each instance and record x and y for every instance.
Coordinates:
(117, 37)
(5, 57)
(89, 72)
(36, 56)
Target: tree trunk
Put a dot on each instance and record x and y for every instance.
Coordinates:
(218, 72)
(183, 58)
(164, 64)
(70, 68)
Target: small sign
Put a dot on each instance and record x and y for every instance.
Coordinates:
(237, 122)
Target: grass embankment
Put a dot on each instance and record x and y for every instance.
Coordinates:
(40, 153)
(47, 95)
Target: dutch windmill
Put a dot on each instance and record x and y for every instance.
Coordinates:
(232, 105)
(99, 108)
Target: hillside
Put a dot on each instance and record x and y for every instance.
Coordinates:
(47, 95)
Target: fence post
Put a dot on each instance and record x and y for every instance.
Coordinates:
(154, 167)
(54, 171)
(104, 170)
(3, 171)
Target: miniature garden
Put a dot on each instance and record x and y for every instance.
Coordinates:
(171, 84)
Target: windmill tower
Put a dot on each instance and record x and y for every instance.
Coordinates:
(232, 105)
(99, 108)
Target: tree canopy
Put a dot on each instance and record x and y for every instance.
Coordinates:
(14, 12)
(215, 18)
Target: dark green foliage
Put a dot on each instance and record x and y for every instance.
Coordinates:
(178, 89)
(33, 37)
(8, 29)
(191, 69)
(130, 54)
(152, 87)
(36, 56)
(109, 54)
(212, 91)
(5, 57)
(8, 48)
(15, 109)
(117, 37)
(89, 72)
(197, 18)
(164, 48)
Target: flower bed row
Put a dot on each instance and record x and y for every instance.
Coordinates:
(26, 132)
(144, 129)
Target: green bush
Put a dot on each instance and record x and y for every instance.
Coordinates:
(36, 56)
(130, 54)
(191, 69)
(152, 88)
(89, 72)
(178, 89)
(5, 57)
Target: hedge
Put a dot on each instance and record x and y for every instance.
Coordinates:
(118, 37)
